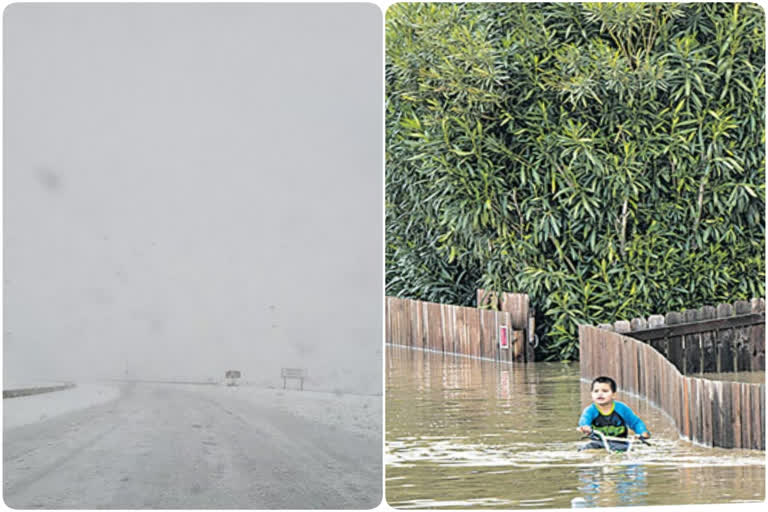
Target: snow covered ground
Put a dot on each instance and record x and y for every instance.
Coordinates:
(30, 409)
(359, 414)
(151, 445)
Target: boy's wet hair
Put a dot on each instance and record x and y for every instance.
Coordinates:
(604, 380)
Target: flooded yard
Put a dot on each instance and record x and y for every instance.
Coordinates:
(464, 433)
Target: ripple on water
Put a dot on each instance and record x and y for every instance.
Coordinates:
(507, 440)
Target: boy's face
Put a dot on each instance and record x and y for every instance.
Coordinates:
(601, 393)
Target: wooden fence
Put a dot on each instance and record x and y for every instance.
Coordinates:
(726, 338)
(713, 413)
(455, 329)
(518, 305)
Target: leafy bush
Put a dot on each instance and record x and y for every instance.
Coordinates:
(607, 159)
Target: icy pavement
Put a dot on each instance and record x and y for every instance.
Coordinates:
(198, 447)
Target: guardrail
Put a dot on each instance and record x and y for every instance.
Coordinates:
(15, 393)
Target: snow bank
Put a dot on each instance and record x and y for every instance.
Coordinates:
(9, 384)
(360, 414)
(30, 409)
(357, 414)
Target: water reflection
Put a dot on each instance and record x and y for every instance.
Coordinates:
(612, 486)
(463, 433)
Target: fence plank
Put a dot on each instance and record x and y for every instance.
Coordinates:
(736, 414)
(727, 412)
(725, 340)
(387, 320)
(435, 341)
(746, 422)
(397, 305)
(708, 346)
(690, 390)
(761, 424)
(757, 338)
(757, 403)
(637, 324)
(717, 431)
(659, 344)
(675, 343)
(446, 327)
(394, 309)
(706, 410)
(517, 305)
(489, 323)
(742, 338)
(474, 331)
(692, 346)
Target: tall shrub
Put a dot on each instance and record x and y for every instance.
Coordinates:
(607, 159)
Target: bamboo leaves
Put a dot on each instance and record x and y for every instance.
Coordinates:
(607, 159)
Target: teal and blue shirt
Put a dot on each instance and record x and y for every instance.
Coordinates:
(615, 422)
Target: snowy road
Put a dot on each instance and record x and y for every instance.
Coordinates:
(171, 446)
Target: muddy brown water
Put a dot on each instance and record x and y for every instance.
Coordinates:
(465, 433)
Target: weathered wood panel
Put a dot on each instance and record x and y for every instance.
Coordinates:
(518, 307)
(675, 343)
(448, 328)
(760, 429)
(691, 346)
(738, 441)
(708, 346)
(726, 338)
(741, 340)
(725, 341)
(757, 338)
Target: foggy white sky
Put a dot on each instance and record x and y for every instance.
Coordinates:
(171, 171)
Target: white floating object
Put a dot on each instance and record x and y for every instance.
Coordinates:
(578, 503)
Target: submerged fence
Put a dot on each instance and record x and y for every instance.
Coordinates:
(726, 338)
(713, 413)
(456, 329)
(518, 305)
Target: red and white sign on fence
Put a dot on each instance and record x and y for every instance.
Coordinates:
(503, 338)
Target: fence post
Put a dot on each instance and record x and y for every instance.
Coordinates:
(742, 337)
(758, 338)
(661, 343)
(708, 344)
(725, 340)
(638, 323)
(622, 326)
(692, 344)
(675, 343)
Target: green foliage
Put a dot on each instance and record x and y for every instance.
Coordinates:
(607, 159)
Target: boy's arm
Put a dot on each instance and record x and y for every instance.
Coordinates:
(633, 421)
(589, 414)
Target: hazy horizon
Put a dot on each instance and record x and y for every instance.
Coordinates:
(192, 188)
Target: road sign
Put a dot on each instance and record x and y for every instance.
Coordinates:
(293, 373)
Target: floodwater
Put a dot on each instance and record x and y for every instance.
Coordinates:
(748, 377)
(464, 433)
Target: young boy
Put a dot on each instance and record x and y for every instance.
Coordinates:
(609, 416)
